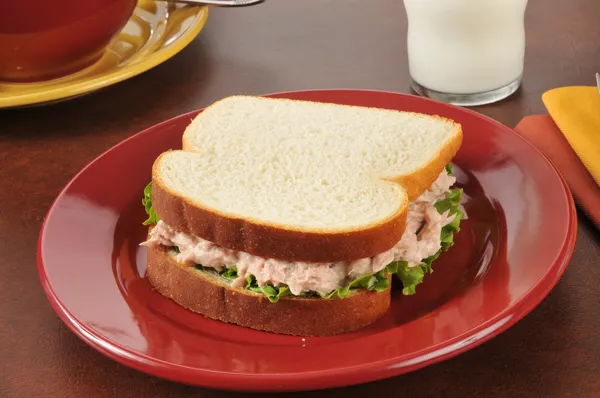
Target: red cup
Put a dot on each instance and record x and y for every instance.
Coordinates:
(46, 39)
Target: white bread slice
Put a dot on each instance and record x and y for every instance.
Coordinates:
(211, 296)
(298, 180)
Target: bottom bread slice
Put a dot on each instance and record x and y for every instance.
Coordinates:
(209, 295)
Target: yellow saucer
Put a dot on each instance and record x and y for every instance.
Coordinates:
(155, 32)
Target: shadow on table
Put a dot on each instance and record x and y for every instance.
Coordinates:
(147, 96)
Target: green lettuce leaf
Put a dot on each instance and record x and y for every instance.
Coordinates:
(377, 282)
(273, 293)
(229, 274)
(409, 276)
(412, 276)
(452, 203)
(147, 202)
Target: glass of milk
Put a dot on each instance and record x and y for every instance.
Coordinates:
(466, 52)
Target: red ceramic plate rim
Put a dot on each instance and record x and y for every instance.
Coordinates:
(323, 378)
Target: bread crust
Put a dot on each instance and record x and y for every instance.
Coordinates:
(274, 241)
(419, 180)
(270, 241)
(208, 295)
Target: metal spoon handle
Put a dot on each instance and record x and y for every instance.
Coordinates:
(223, 3)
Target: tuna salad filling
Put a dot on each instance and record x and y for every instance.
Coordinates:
(431, 222)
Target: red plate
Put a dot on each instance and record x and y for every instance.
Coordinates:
(513, 248)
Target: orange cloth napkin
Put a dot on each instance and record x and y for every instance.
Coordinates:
(542, 131)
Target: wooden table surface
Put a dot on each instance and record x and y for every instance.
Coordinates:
(286, 45)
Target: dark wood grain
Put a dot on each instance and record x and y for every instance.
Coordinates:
(286, 45)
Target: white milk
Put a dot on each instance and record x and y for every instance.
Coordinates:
(465, 46)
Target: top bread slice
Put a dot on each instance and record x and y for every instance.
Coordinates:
(298, 180)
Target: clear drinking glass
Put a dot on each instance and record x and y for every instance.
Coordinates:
(466, 52)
